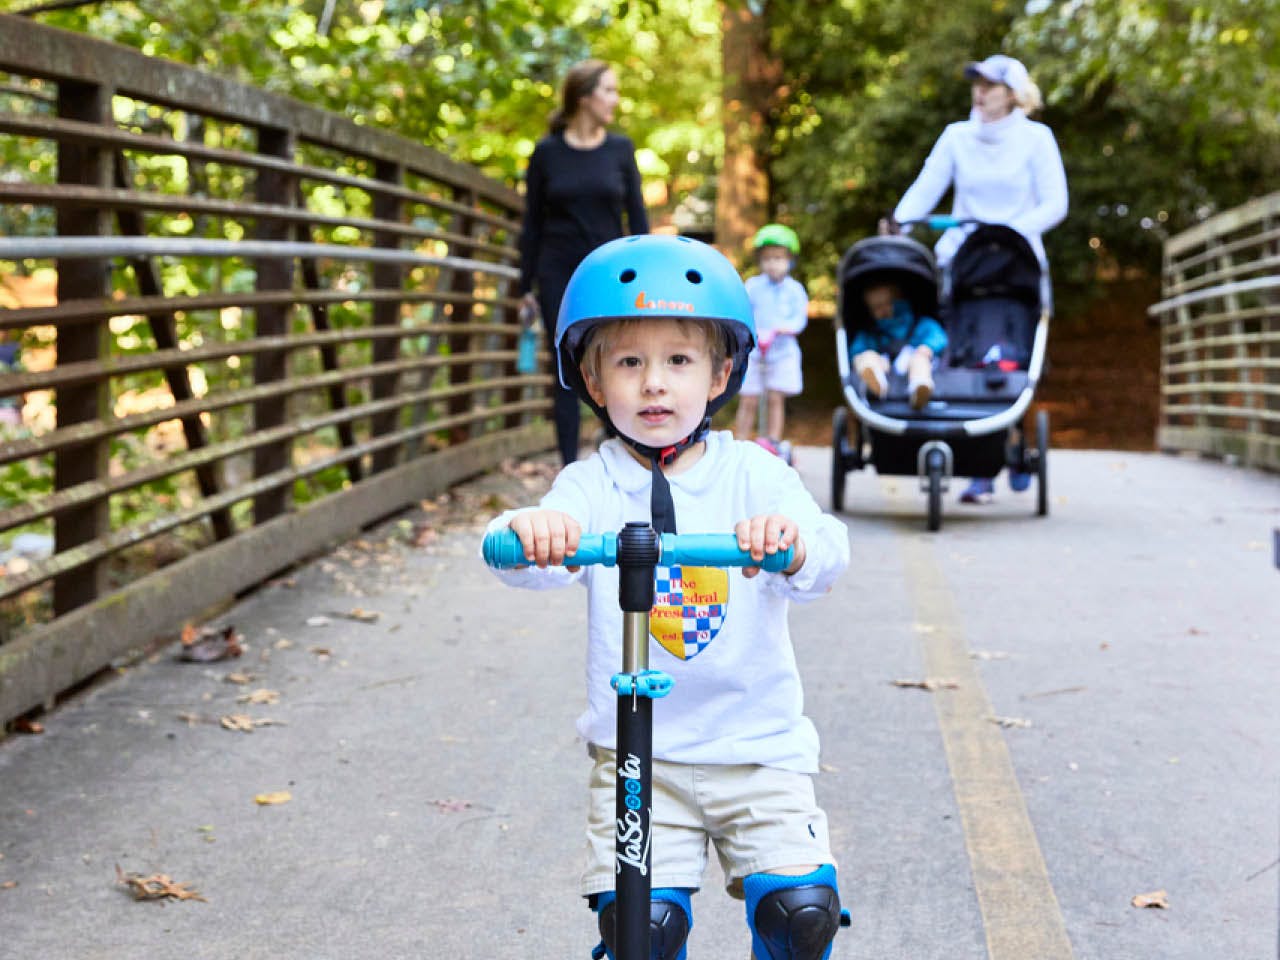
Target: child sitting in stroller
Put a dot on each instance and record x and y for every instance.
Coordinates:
(900, 341)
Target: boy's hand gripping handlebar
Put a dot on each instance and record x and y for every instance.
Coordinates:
(502, 550)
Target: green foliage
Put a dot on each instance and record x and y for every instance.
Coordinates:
(1165, 112)
(869, 87)
(475, 79)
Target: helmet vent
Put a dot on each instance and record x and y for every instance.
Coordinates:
(627, 275)
(693, 276)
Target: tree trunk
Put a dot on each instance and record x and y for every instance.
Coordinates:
(750, 79)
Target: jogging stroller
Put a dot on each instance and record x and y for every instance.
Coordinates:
(995, 304)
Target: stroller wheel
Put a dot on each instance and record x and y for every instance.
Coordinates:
(839, 456)
(1042, 463)
(935, 494)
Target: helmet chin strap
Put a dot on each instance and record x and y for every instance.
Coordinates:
(661, 507)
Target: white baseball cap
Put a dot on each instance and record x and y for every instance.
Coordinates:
(999, 69)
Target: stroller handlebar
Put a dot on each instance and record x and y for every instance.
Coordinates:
(502, 550)
(940, 221)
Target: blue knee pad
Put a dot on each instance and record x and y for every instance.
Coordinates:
(670, 920)
(793, 918)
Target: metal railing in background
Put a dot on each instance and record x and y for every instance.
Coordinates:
(1220, 342)
(266, 327)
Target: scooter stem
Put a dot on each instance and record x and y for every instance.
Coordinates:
(638, 554)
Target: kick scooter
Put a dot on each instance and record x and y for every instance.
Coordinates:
(775, 445)
(636, 550)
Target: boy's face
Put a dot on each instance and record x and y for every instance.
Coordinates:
(656, 379)
(775, 262)
(880, 302)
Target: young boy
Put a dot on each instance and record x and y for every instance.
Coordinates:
(900, 340)
(654, 333)
(780, 306)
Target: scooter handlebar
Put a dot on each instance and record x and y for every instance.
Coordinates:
(502, 550)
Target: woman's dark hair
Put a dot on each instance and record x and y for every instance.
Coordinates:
(579, 83)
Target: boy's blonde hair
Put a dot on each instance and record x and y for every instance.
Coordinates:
(600, 336)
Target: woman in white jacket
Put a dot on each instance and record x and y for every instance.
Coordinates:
(1005, 169)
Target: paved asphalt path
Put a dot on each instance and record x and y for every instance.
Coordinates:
(1103, 725)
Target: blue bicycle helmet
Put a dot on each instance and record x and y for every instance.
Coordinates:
(653, 276)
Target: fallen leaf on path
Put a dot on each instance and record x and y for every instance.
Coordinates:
(1008, 722)
(270, 697)
(25, 725)
(272, 799)
(209, 644)
(452, 806)
(361, 615)
(1156, 899)
(8, 885)
(1053, 693)
(424, 536)
(239, 679)
(243, 723)
(158, 886)
(929, 683)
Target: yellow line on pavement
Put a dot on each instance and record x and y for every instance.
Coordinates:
(1020, 912)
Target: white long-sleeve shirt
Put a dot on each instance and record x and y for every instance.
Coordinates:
(723, 638)
(778, 308)
(1008, 172)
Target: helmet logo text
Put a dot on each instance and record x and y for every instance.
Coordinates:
(642, 303)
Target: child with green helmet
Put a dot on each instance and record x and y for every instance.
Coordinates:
(780, 306)
(654, 333)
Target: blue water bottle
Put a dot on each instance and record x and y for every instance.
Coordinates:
(527, 347)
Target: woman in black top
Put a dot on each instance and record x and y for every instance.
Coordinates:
(581, 181)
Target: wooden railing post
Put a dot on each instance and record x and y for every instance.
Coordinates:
(337, 394)
(164, 329)
(272, 273)
(89, 278)
(461, 282)
(386, 276)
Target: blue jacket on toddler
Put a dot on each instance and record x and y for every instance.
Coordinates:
(901, 330)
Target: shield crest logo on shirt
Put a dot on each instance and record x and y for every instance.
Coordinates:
(689, 604)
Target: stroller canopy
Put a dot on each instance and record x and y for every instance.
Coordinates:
(904, 262)
(995, 261)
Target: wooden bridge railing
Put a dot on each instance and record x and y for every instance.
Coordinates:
(269, 326)
(1220, 348)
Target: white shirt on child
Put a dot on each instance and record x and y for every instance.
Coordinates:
(781, 307)
(737, 695)
(1007, 172)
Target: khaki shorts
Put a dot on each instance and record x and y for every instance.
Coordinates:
(758, 819)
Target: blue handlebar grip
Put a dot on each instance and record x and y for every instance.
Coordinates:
(502, 550)
(941, 221)
(718, 550)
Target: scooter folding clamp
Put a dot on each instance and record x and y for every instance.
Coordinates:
(653, 684)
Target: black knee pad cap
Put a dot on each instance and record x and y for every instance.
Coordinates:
(798, 923)
(668, 929)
